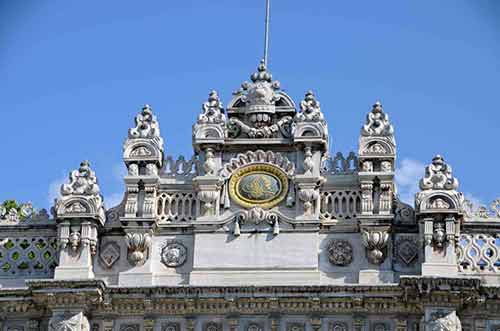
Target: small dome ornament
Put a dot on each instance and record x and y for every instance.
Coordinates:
(146, 125)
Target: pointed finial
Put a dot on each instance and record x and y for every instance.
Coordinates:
(266, 32)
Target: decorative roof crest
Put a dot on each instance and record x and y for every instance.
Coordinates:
(438, 176)
(213, 111)
(146, 125)
(310, 110)
(82, 181)
(377, 122)
(260, 95)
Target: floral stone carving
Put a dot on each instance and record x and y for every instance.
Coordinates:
(173, 254)
(340, 252)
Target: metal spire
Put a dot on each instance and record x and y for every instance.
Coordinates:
(266, 37)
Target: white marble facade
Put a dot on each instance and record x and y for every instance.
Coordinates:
(261, 229)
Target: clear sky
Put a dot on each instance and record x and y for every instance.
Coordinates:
(75, 73)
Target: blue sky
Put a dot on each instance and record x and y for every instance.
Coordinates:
(74, 74)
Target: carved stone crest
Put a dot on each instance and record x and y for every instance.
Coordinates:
(171, 326)
(174, 254)
(339, 252)
(76, 322)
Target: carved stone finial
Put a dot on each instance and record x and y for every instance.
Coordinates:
(438, 176)
(146, 125)
(81, 197)
(81, 182)
(213, 111)
(310, 110)
(377, 122)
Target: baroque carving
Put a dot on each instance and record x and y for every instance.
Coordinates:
(375, 243)
(69, 322)
(259, 156)
(340, 252)
(173, 254)
(308, 196)
(81, 195)
(441, 320)
(146, 125)
(213, 111)
(438, 176)
(130, 327)
(254, 327)
(295, 326)
(255, 216)
(308, 164)
(310, 110)
(109, 254)
(209, 165)
(377, 122)
(138, 244)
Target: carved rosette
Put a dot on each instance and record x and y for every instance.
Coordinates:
(173, 254)
(138, 244)
(340, 252)
(375, 242)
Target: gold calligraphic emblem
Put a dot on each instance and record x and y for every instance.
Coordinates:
(259, 185)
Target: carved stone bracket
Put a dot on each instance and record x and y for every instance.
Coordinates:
(375, 242)
(139, 244)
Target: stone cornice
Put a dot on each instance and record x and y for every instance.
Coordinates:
(408, 297)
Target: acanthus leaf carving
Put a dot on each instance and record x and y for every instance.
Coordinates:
(375, 241)
(377, 122)
(438, 176)
(138, 244)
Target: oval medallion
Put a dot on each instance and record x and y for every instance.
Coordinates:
(258, 185)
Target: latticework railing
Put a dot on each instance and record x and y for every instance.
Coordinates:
(29, 256)
(180, 167)
(339, 164)
(479, 253)
(176, 207)
(340, 205)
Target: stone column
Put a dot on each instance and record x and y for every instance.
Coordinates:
(190, 323)
(316, 323)
(233, 324)
(402, 324)
(275, 323)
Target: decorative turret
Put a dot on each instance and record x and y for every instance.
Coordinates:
(209, 129)
(79, 212)
(377, 156)
(439, 210)
(143, 156)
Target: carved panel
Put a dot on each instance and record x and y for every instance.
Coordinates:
(295, 326)
(213, 326)
(173, 253)
(338, 326)
(339, 252)
(379, 326)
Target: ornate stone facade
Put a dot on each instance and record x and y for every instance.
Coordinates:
(261, 229)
